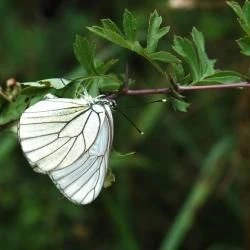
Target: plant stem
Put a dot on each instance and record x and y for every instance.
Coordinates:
(212, 169)
(182, 89)
(242, 161)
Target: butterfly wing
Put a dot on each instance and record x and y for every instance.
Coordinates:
(82, 181)
(70, 141)
(55, 132)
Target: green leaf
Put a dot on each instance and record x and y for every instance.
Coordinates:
(244, 44)
(129, 26)
(244, 20)
(73, 90)
(104, 83)
(109, 83)
(85, 53)
(34, 92)
(103, 68)
(202, 68)
(155, 32)
(93, 88)
(2, 101)
(129, 40)
(117, 39)
(56, 83)
(246, 10)
(206, 65)
(109, 178)
(12, 111)
(243, 14)
(236, 8)
(110, 25)
(110, 36)
(179, 105)
(177, 73)
(223, 77)
(194, 54)
(185, 49)
(164, 57)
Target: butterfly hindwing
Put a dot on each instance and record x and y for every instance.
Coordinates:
(82, 181)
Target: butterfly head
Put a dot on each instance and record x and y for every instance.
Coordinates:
(101, 99)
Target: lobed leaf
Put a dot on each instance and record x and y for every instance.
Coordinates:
(109, 35)
(129, 26)
(223, 77)
(85, 53)
(244, 44)
(202, 68)
(56, 83)
(112, 33)
(73, 90)
(110, 25)
(177, 73)
(243, 13)
(179, 105)
(12, 111)
(104, 67)
(206, 66)
(164, 56)
(101, 84)
(236, 8)
(186, 50)
(155, 32)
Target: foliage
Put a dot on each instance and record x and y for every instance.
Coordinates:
(201, 67)
(188, 157)
(97, 79)
(244, 20)
(193, 54)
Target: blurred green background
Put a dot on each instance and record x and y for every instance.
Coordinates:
(188, 184)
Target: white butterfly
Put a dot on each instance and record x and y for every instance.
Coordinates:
(70, 140)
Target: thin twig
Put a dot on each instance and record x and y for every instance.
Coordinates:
(181, 89)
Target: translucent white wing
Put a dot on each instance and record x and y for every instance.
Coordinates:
(70, 140)
(54, 133)
(82, 181)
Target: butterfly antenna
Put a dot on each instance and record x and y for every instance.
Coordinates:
(136, 127)
(146, 103)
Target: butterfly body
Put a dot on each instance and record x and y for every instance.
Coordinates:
(70, 140)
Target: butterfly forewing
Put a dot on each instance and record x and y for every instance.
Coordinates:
(70, 141)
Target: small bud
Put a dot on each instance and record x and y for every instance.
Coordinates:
(181, 4)
(11, 83)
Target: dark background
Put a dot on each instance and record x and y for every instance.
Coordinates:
(178, 152)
